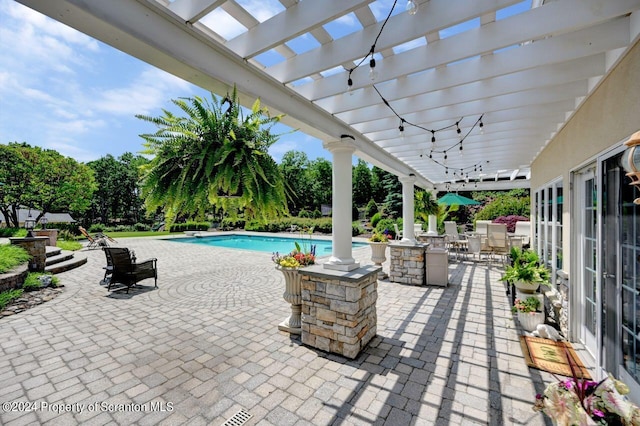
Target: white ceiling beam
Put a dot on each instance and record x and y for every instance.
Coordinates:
(193, 10)
(425, 97)
(586, 42)
(433, 16)
(511, 100)
(289, 24)
(542, 111)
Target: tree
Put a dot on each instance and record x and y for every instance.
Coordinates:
(393, 199)
(320, 172)
(377, 188)
(295, 171)
(213, 157)
(361, 183)
(118, 193)
(424, 205)
(42, 179)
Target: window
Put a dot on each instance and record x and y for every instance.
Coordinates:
(548, 202)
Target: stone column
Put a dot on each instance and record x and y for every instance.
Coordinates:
(36, 247)
(408, 234)
(341, 256)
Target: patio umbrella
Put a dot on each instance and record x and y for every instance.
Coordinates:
(452, 198)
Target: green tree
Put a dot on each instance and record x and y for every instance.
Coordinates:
(424, 205)
(118, 193)
(42, 179)
(361, 183)
(213, 157)
(320, 171)
(393, 199)
(377, 187)
(295, 171)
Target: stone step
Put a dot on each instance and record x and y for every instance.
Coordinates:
(60, 257)
(52, 251)
(78, 259)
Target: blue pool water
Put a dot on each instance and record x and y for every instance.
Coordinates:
(262, 243)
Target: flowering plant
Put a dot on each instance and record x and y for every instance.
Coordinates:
(578, 401)
(378, 237)
(528, 305)
(296, 258)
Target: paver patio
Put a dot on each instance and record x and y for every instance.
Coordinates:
(205, 344)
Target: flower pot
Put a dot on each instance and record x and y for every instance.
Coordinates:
(379, 256)
(526, 287)
(293, 295)
(530, 320)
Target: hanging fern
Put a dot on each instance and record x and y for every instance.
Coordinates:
(213, 157)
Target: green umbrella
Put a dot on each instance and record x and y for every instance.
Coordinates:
(453, 198)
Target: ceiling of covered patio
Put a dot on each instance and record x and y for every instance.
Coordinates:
(490, 81)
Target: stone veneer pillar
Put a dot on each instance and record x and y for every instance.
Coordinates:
(406, 263)
(36, 247)
(52, 234)
(339, 308)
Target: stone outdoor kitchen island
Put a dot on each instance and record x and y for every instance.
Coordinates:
(339, 309)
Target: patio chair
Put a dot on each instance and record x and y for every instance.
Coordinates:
(95, 242)
(497, 239)
(481, 226)
(125, 269)
(523, 229)
(455, 241)
(398, 231)
(474, 246)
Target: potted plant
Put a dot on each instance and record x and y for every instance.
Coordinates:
(378, 243)
(526, 271)
(289, 264)
(528, 312)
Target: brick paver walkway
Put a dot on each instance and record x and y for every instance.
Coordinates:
(205, 344)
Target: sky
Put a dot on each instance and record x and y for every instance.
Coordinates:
(61, 89)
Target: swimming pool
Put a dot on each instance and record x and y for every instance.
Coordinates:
(262, 243)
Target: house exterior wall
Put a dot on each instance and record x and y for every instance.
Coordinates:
(610, 115)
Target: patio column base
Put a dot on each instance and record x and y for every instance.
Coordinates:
(407, 265)
(339, 308)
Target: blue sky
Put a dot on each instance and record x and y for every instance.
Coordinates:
(63, 90)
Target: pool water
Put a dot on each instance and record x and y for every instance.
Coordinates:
(262, 243)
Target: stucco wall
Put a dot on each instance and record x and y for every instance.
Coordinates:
(610, 114)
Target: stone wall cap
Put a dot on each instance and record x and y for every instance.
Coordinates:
(400, 245)
(17, 239)
(355, 275)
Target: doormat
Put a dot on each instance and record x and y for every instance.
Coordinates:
(547, 355)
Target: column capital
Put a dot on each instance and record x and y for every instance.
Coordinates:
(342, 145)
(407, 179)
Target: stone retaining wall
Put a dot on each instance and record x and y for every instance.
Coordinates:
(339, 309)
(407, 264)
(14, 278)
(36, 247)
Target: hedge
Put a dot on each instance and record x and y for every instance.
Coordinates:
(189, 226)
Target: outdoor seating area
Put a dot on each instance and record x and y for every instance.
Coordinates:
(205, 346)
(123, 268)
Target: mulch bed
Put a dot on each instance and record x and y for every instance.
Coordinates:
(30, 299)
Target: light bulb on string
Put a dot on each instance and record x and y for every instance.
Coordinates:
(481, 127)
(401, 127)
(373, 74)
(433, 136)
(412, 7)
(350, 84)
(458, 127)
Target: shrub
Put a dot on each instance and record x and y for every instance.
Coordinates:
(303, 213)
(12, 256)
(33, 283)
(8, 232)
(189, 226)
(386, 225)
(257, 226)
(141, 227)
(64, 226)
(375, 219)
(97, 227)
(66, 235)
(7, 296)
(510, 221)
(316, 214)
(356, 229)
(229, 223)
(371, 209)
(355, 213)
(505, 206)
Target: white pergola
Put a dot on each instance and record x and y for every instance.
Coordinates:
(524, 74)
(453, 64)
